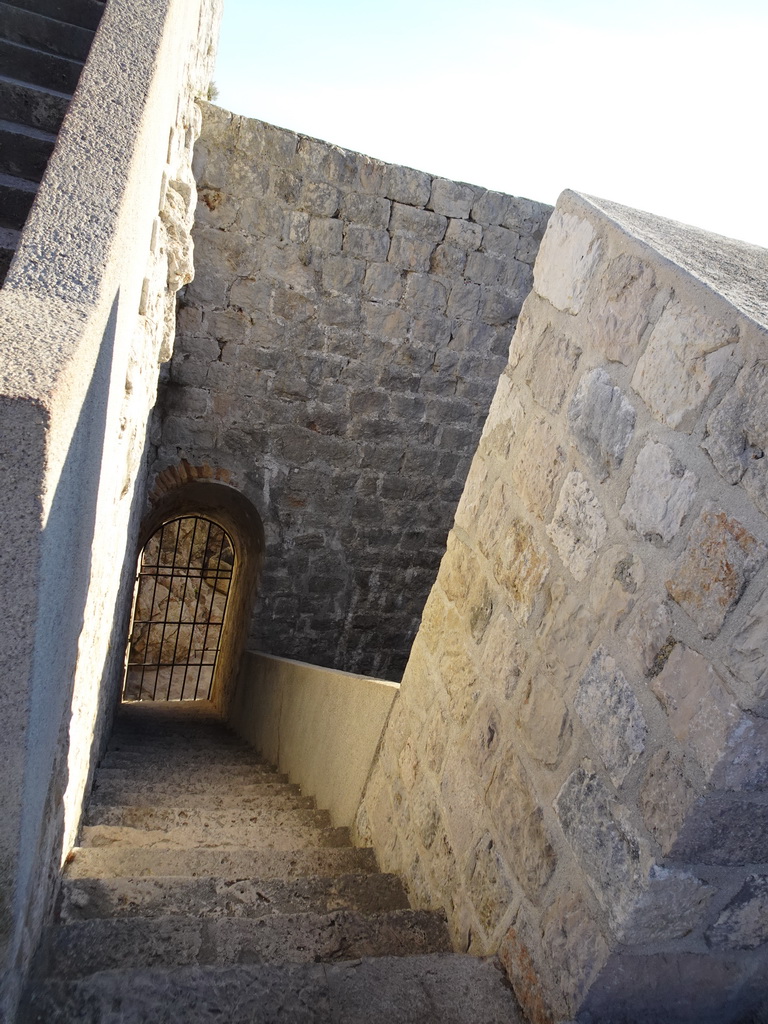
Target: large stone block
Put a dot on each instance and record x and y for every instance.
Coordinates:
(602, 421)
(608, 707)
(747, 655)
(520, 565)
(370, 211)
(666, 796)
(575, 946)
(567, 262)
(367, 243)
(578, 528)
(731, 747)
(544, 722)
(407, 186)
(686, 354)
(724, 828)
(597, 827)
(519, 825)
(538, 466)
(451, 198)
(737, 434)
(660, 493)
(622, 307)
(422, 223)
(553, 365)
(720, 559)
(743, 923)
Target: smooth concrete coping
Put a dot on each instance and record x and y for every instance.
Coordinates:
(320, 726)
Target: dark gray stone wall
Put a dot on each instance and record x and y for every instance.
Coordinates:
(335, 359)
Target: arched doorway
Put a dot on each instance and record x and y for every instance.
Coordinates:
(174, 533)
(180, 604)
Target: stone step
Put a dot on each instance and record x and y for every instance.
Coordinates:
(172, 774)
(83, 947)
(81, 899)
(16, 198)
(155, 711)
(165, 818)
(268, 794)
(45, 69)
(24, 151)
(191, 760)
(428, 989)
(43, 33)
(85, 13)
(290, 836)
(194, 738)
(233, 862)
(32, 105)
(190, 793)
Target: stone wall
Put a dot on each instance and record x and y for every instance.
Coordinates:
(336, 356)
(87, 315)
(576, 766)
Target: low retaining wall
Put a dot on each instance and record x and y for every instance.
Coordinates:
(577, 765)
(322, 727)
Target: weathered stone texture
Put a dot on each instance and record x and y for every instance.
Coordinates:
(660, 493)
(685, 356)
(343, 349)
(608, 707)
(597, 639)
(721, 558)
(578, 528)
(602, 421)
(737, 434)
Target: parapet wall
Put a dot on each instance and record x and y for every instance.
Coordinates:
(87, 315)
(335, 360)
(577, 764)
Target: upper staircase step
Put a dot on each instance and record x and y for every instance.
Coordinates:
(44, 69)
(428, 989)
(85, 13)
(81, 899)
(293, 813)
(24, 151)
(41, 32)
(30, 104)
(16, 198)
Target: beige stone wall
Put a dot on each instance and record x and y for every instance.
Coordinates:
(576, 766)
(87, 316)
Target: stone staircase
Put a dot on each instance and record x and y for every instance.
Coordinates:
(43, 46)
(207, 888)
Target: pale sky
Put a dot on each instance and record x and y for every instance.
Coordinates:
(657, 105)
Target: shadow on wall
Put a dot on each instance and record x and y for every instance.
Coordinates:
(234, 513)
(40, 725)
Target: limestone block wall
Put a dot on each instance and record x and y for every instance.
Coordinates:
(336, 356)
(87, 315)
(577, 765)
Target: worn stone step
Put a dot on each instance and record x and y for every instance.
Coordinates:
(287, 836)
(187, 792)
(16, 198)
(165, 818)
(44, 69)
(36, 30)
(85, 13)
(178, 738)
(233, 862)
(82, 947)
(266, 794)
(81, 899)
(447, 988)
(175, 774)
(31, 104)
(24, 151)
(183, 761)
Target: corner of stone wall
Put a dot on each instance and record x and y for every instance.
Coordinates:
(577, 764)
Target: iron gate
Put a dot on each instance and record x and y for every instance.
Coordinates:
(182, 590)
